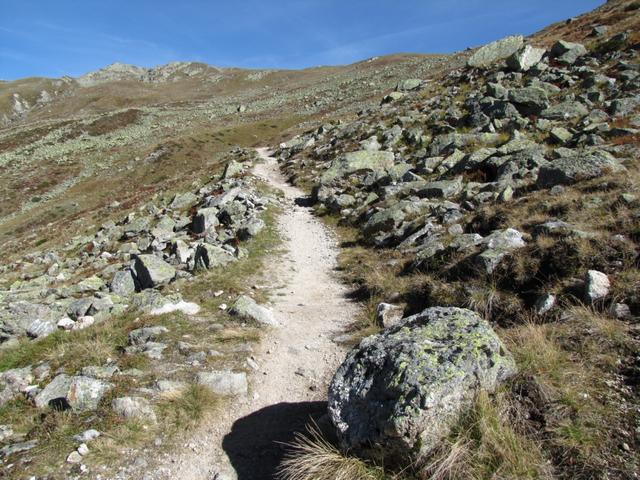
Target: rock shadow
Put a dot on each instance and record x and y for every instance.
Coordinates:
(257, 443)
(304, 201)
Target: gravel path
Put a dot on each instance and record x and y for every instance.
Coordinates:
(296, 360)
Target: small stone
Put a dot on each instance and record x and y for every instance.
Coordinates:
(596, 285)
(74, 457)
(5, 432)
(66, 323)
(621, 311)
(134, 407)
(87, 436)
(544, 303)
(83, 449)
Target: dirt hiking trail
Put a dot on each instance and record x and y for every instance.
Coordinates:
(296, 360)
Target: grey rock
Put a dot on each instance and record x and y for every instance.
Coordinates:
(78, 393)
(206, 219)
(250, 228)
(224, 383)
(6, 432)
(151, 271)
(509, 239)
(398, 393)
(569, 170)
(87, 436)
(529, 100)
(409, 84)
(102, 373)
(232, 169)
(392, 97)
(80, 307)
(211, 256)
(495, 51)
(441, 189)
(183, 200)
(246, 307)
(13, 382)
(560, 135)
(596, 286)
(360, 161)
(123, 283)
(544, 303)
(565, 111)
(137, 408)
(20, 447)
(624, 106)
(41, 328)
(621, 311)
(388, 315)
(525, 58)
(143, 335)
(567, 52)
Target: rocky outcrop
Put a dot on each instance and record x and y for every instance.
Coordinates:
(398, 393)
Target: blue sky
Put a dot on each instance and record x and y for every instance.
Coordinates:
(71, 37)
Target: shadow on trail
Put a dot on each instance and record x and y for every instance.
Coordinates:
(255, 443)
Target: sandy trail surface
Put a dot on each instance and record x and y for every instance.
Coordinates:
(296, 360)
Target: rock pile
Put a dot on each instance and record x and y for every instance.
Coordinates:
(133, 259)
(518, 118)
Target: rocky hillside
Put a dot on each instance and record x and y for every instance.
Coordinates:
(488, 208)
(509, 188)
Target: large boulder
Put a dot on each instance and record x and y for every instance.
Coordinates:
(152, 271)
(569, 170)
(79, 393)
(398, 393)
(496, 51)
(360, 161)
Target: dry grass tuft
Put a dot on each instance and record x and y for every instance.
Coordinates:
(312, 457)
(488, 444)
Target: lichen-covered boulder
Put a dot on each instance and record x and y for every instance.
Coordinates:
(570, 170)
(363, 160)
(123, 283)
(399, 392)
